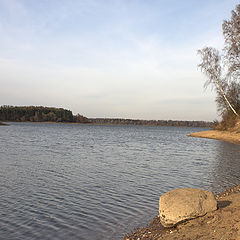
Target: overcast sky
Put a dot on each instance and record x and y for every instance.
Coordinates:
(110, 58)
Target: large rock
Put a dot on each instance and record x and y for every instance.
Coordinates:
(182, 204)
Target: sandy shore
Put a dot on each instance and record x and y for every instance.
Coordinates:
(233, 137)
(222, 224)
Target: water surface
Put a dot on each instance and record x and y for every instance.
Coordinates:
(67, 181)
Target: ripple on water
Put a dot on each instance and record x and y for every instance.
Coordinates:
(99, 182)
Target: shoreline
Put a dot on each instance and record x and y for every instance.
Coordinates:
(224, 223)
(113, 124)
(41, 122)
(227, 136)
(220, 224)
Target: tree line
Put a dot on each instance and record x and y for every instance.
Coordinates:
(122, 121)
(51, 114)
(39, 114)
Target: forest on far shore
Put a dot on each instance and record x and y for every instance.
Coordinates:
(39, 114)
(51, 114)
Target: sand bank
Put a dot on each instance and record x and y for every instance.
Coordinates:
(233, 137)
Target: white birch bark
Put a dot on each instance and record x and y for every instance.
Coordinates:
(225, 97)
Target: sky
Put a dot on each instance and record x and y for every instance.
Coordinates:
(110, 58)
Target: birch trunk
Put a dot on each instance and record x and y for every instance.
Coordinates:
(225, 97)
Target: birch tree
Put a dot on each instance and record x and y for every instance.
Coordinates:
(223, 70)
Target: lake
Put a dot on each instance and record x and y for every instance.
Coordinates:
(72, 181)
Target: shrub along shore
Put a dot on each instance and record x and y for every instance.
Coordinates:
(224, 223)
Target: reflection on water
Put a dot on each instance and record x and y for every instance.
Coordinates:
(99, 182)
(227, 160)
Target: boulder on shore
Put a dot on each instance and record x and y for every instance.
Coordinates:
(182, 204)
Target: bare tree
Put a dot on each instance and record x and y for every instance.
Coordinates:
(212, 68)
(232, 91)
(222, 71)
(231, 33)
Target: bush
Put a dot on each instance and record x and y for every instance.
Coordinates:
(229, 120)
